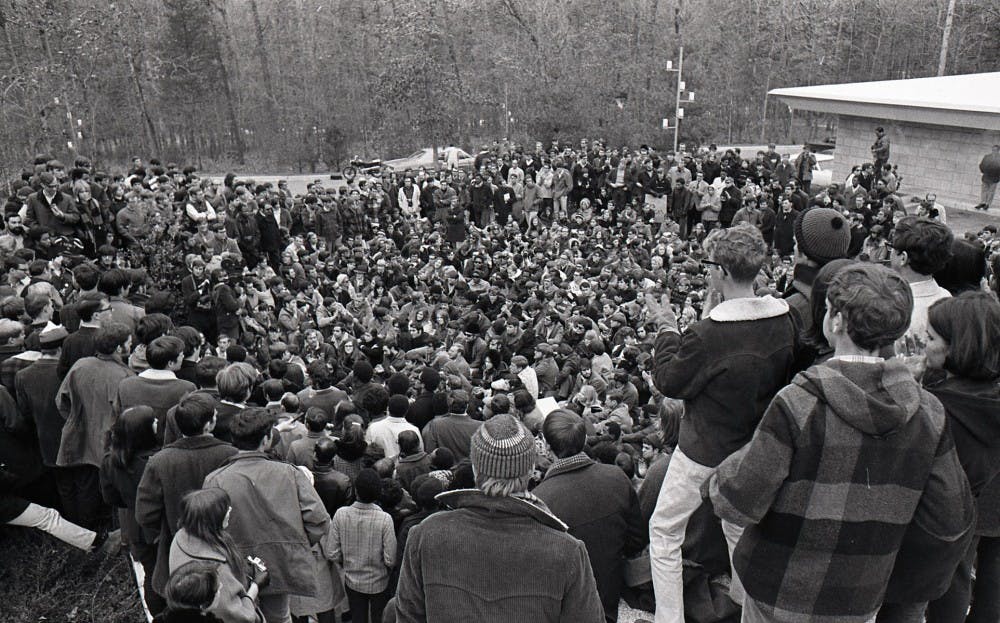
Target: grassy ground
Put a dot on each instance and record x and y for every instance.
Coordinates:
(41, 579)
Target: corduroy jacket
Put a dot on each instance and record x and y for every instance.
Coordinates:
(465, 565)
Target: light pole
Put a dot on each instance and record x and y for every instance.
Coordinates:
(678, 111)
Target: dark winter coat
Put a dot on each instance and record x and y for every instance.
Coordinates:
(600, 507)
(726, 368)
(173, 471)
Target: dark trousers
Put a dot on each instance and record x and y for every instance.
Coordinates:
(80, 492)
(954, 604)
(986, 594)
(366, 608)
(902, 613)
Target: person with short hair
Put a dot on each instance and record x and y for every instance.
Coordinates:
(82, 400)
(726, 368)
(90, 311)
(919, 248)
(388, 425)
(851, 470)
(116, 283)
(453, 430)
(235, 384)
(277, 514)
(464, 560)
(157, 387)
(412, 461)
(300, 451)
(362, 542)
(597, 503)
(179, 467)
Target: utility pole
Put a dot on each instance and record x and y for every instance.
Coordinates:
(949, 18)
(678, 111)
(506, 113)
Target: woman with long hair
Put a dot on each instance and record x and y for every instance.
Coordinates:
(132, 440)
(202, 537)
(961, 368)
(964, 349)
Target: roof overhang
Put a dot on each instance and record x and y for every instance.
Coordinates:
(965, 101)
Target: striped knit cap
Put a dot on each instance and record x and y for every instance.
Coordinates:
(502, 448)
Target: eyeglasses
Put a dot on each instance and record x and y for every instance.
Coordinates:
(710, 263)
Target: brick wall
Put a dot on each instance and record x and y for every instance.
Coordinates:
(941, 159)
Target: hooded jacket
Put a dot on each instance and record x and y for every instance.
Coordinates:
(973, 409)
(845, 458)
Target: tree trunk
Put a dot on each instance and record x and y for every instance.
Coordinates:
(265, 65)
(949, 18)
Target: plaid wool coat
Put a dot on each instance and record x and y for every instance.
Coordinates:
(843, 459)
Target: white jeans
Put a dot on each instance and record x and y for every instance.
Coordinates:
(49, 520)
(680, 497)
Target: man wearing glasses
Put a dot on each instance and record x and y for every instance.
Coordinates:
(726, 368)
(52, 209)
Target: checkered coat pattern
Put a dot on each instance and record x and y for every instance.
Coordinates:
(842, 460)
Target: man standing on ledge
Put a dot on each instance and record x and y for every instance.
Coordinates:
(990, 168)
(726, 368)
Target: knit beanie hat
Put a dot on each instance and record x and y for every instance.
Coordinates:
(822, 235)
(502, 448)
(398, 405)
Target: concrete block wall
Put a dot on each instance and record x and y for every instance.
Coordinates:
(931, 158)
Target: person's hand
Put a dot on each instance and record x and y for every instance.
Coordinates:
(661, 312)
(916, 364)
(261, 577)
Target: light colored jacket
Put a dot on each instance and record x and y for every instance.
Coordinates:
(277, 516)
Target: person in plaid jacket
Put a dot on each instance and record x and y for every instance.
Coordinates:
(846, 457)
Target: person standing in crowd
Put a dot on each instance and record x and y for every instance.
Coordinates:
(844, 459)
(960, 367)
(880, 149)
(726, 389)
(919, 248)
(157, 386)
(821, 235)
(363, 544)
(989, 166)
(463, 560)
(596, 502)
(202, 539)
(180, 467)
(386, 429)
(805, 162)
(453, 430)
(131, 443)
(84, 400)
(277, 514)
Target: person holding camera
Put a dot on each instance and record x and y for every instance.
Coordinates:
(202, 538)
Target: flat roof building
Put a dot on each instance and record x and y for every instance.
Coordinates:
(939, 128)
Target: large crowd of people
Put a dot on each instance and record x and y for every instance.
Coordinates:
(522, 392)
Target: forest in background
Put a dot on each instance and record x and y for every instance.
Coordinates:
(296, 84)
